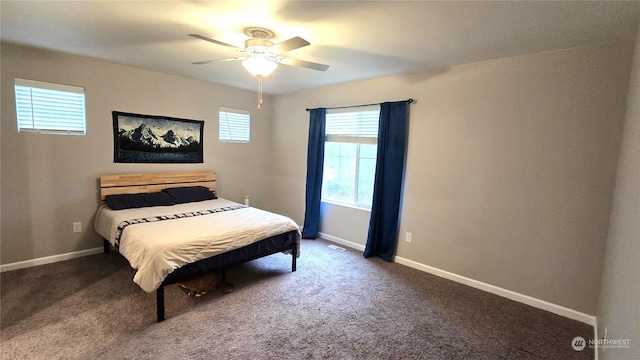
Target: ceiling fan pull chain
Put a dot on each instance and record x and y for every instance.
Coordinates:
(259, 91)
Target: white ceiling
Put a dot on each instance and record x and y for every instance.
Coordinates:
(358, 39)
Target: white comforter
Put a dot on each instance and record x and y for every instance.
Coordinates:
(157, 248)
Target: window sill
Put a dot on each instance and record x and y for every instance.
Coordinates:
(346, 205)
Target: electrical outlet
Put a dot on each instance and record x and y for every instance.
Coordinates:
(77, 227)
(407, 237)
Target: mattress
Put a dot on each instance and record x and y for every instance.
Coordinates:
(157, 240)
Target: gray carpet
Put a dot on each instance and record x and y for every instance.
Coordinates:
(338, 305)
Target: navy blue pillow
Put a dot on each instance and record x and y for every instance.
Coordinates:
(190, 194)
(159, 199)
(132, 201)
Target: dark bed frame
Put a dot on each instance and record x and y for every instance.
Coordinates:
(137, 183)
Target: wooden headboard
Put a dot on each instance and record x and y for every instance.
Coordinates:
(154, 182)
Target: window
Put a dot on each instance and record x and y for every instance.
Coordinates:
(350, 156)
(48, 108)
(234, 125)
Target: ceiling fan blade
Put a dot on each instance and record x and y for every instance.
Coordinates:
(214, 41)
(215, 60)
(304, 64)
(288, 45)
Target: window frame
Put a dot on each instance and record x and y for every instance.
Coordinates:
(352, 138)
(30, 108)
(230, 122)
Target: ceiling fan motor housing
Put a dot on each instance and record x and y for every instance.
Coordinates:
(257, 45)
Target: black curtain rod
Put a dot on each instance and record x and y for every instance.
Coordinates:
(410, 100)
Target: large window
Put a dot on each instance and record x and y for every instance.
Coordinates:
(350, 156)
(48, 108)
(234, 125)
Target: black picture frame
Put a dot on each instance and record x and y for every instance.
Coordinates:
(141, 138)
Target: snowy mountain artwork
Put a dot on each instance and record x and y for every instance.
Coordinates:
(156, 139)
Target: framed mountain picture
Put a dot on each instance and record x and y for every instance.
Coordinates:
(156, 139)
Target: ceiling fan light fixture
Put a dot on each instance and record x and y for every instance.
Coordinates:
(259, 65)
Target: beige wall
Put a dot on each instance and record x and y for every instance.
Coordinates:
(619, 307)
(50, 181)
(510, 170)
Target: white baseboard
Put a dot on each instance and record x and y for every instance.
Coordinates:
(49, 259)
(512, 295)
(340, 241)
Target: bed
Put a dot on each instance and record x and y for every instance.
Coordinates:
(172, 227)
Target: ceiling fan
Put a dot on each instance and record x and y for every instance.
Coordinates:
(260, 55)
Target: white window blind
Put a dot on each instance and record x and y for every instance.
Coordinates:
(355, 125)
(49, 108)
(234, 125)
